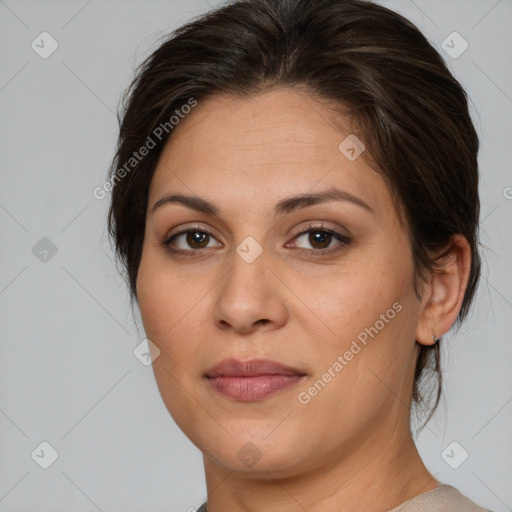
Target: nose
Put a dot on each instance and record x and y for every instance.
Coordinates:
(250, 297)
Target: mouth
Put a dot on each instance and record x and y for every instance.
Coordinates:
(253, 380)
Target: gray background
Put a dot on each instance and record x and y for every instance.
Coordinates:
(68, 373)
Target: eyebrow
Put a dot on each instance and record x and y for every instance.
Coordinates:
(286, 205)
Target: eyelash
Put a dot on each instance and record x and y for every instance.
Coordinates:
(311, 228)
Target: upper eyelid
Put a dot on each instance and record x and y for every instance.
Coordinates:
(342, 239)
(320, 225)
(310, 227)
(187, 229)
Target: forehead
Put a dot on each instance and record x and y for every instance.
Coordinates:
(278, 143)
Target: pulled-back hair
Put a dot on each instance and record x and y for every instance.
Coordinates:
(374, 66)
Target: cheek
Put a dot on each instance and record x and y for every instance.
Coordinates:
(157, 297)
(370, 313)
(172, 309)
(166, 314)
(347, 302)
(149, 294)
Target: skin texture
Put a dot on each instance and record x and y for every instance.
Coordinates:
(350, 446)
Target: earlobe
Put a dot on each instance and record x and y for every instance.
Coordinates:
(445, 292)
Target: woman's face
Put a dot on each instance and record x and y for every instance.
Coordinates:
(321, 286)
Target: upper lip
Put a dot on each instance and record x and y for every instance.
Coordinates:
(250, 368)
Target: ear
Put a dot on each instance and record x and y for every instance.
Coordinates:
(444, 293)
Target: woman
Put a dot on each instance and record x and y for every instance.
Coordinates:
(295, 202)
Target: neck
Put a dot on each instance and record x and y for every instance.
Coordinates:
(382, 472)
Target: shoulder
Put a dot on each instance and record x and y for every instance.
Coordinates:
(444, 498)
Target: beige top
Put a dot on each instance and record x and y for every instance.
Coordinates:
(444, 498)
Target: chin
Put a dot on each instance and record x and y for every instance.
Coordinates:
(258, 454)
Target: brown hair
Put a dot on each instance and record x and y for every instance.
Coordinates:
(404, 103)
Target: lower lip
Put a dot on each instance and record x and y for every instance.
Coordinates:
(249, 389)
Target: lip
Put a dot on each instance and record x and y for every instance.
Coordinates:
(251, 380)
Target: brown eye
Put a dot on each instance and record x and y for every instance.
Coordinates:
(320, 239)
(197, 239)
(192, 240)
